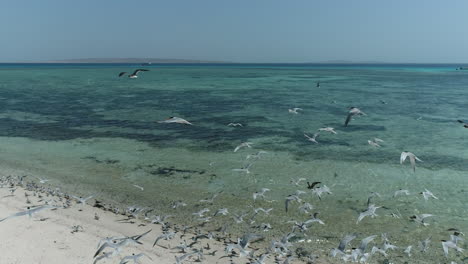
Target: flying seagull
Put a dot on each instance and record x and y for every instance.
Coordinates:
(412, 159)
(294, 110)
(30, 211)
(174, 119)
(313, 138)
(352, 112)
(134, 75)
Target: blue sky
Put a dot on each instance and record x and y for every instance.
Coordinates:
(238, 31)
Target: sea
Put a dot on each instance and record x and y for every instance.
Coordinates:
(90, 132)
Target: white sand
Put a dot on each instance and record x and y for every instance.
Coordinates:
(29, 240)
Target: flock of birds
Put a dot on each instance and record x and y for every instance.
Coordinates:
(280, 250)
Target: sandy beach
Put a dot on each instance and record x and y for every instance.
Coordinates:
(71, 232)
(72, 235)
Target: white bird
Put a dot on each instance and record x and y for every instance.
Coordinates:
(242, 145)
(420, 218)
(174, 119)
(42, 180)
(223, 211)
(81, 199)
(373, 143)
(294, 110)
(298, 181)
(328, 129)
(244, 169)
(352, 112)
(412, 159)
(235, 124)
(401, 192)
(408, 251)
(134, 75)
(341, 247)
(260, 193)
(201, 212)
(369, 212)
(450, 244)
(313, 138)
(314, 219)
(30, 211)
(428, 194)
(139, 187)
(321, 190)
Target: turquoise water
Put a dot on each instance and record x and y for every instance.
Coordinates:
(94, 133)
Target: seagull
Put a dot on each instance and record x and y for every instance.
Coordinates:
(256, 156)
(260, 193)
(239, 218)
(235, 124)
(412, 159)
(428, 194)
(244, 169)
(328, 129)
(408, 251)
(290, 198)
(165, 236)
(81, 199)
(134, 258)
(420, 218)
(356, 253)
(314, 219)
(134, 75)
(260, 209)
(294, 110)
(401, 192)
(201, 212)
(320, 190)
(450, 244)
(223, 211)
(424, 245)
(242, 145)
(174, 119)
(313, 138)
(305, 207)
(117, 246)
(317, 85)
(139, 187)
(29, 211)
(369, 212)
(343, 243)
(42, 180)
(352, 112)
(298, 181)
(375, 142)
(465, 125)
(210, 200)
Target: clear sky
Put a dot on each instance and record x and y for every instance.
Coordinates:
(236, 30)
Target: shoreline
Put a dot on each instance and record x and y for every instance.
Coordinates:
(70, 232)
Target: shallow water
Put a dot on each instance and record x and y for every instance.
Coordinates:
(92, 132)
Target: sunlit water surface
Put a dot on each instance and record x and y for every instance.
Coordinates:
(91, 132)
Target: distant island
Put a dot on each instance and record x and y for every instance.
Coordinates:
(130, 60)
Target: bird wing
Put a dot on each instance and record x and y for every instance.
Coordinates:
(366, 241)
(122, 73)
(138, 70)
(403, 156)
(348, 118)
(345, 241)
